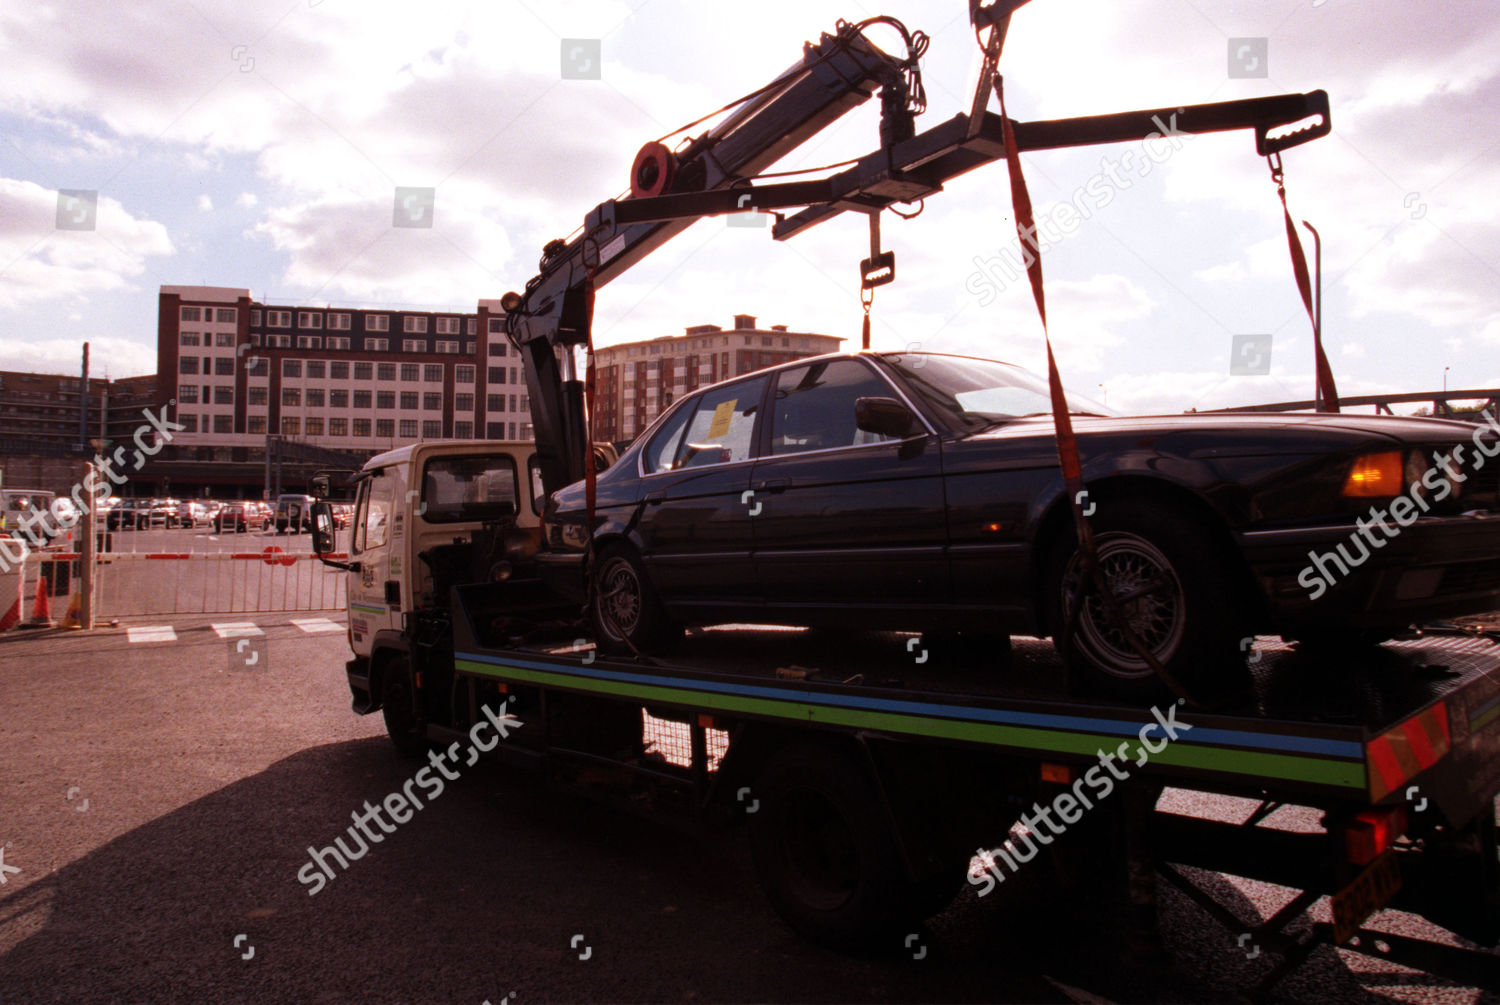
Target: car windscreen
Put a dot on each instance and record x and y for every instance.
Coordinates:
(458, 489)
(982, 392)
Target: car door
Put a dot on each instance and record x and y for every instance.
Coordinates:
(844, 516)
(694, 524)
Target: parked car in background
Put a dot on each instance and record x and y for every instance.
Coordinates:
(922, 492)
(17, 507)
(293, 513)
(241, 515)
(130, 514)
(191, 513)
(163, 512)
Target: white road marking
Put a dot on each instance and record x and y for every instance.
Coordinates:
(314, 625)
(152, 633)
(237, 629)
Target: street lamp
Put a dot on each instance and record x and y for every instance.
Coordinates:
(1445, 380)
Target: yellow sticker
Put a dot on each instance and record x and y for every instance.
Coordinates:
(722, 415)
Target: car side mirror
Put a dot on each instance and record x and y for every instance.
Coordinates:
(884, 417)
(322, 521)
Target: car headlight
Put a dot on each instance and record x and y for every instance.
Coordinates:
(574, 535)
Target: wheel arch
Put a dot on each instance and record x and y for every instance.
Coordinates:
(1057, 522)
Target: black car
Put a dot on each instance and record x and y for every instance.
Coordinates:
(922, 492)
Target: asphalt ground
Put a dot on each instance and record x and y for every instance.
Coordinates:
(159, 800)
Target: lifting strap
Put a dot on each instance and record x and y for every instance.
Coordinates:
(1325, 392)
(1068, 456)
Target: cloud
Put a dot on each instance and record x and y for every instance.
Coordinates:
(246, 200)
(40, 262)
(205, 204)
(116, 357)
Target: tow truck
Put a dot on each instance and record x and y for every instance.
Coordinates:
(869, 771)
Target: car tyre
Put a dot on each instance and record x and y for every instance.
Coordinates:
(624, 607)
(401, 724)
(825, 854)
(1177, 586)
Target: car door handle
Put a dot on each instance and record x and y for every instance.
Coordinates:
(773, 485)
(655, 498)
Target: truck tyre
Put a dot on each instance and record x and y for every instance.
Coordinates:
(401, 724)
(1177, 588)
(824, 851)
(623, 605)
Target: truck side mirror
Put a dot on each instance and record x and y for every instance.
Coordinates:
(319, 486)
(884, 417)
(322, 523)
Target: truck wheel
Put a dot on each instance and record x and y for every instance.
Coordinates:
(824, 851)
(623, 605)
(1176, 587)
(401, 724)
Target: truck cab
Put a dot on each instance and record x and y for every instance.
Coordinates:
(428, 517)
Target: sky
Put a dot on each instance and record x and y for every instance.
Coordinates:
(259, 146)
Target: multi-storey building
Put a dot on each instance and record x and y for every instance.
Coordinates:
(360, 380)
(636, 381)
(41, 412)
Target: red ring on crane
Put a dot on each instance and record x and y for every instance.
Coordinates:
(652, 172)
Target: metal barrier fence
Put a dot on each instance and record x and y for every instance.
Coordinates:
(223, 583)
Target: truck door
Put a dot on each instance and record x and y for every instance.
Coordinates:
(374, 594)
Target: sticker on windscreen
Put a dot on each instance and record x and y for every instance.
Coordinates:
(722, 415)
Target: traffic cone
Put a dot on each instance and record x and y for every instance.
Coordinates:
(75, 612)
(41, 611)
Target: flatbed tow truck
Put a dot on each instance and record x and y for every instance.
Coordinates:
(870, 769)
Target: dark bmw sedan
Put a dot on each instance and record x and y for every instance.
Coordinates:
(922, 492)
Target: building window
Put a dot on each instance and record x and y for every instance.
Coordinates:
(451, 348)
(469, 348)
(447, 326)
(414, 325)
(223, 423)
(314, 425)
(291, 426)
(279, 341)
(463, 374)
(187, 364)
(377, 323)
(432, 401)
(413, 345)
(361, 399)
(224, 339)
(408, 428)
(410, 372)
(512, 426)
(314, 398)
(497, 324)
(361, 427)
(377, 345)
(315, 368)
(258, 366)
(385, 399)
(471, 326)
(188, 338)
(190, 314)
(291, 368)
(255, 424)
(497, 375)
(291, 396)
(525, 430)
(497, 347)
(494, 430)
(432, 373)
(226, 315)
(385, 428)
(255, 338)
(189, 423)
(495, 403)
(223, 395)
(463, 430)
(224, 366)
(307, 319)
(257, 395)
(463, 403)
(339, 399)
(278, 319)
(408, 399)
(385, 372)
(187, 394)
(338, 427)
(432, 429)
(338, 322)
(338, 371)
(337, 342)
(255, 319)
(309, 341)
(363, 371)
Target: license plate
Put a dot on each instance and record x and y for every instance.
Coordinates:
(1371, 890)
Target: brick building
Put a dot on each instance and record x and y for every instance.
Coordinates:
(636, 381)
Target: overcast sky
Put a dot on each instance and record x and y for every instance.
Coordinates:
(259, 145)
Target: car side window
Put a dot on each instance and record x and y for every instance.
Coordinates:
(722, 427)
(814, 406)
(378, 500)
(661, 453)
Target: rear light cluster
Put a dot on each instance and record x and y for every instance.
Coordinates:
(1373, 832)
